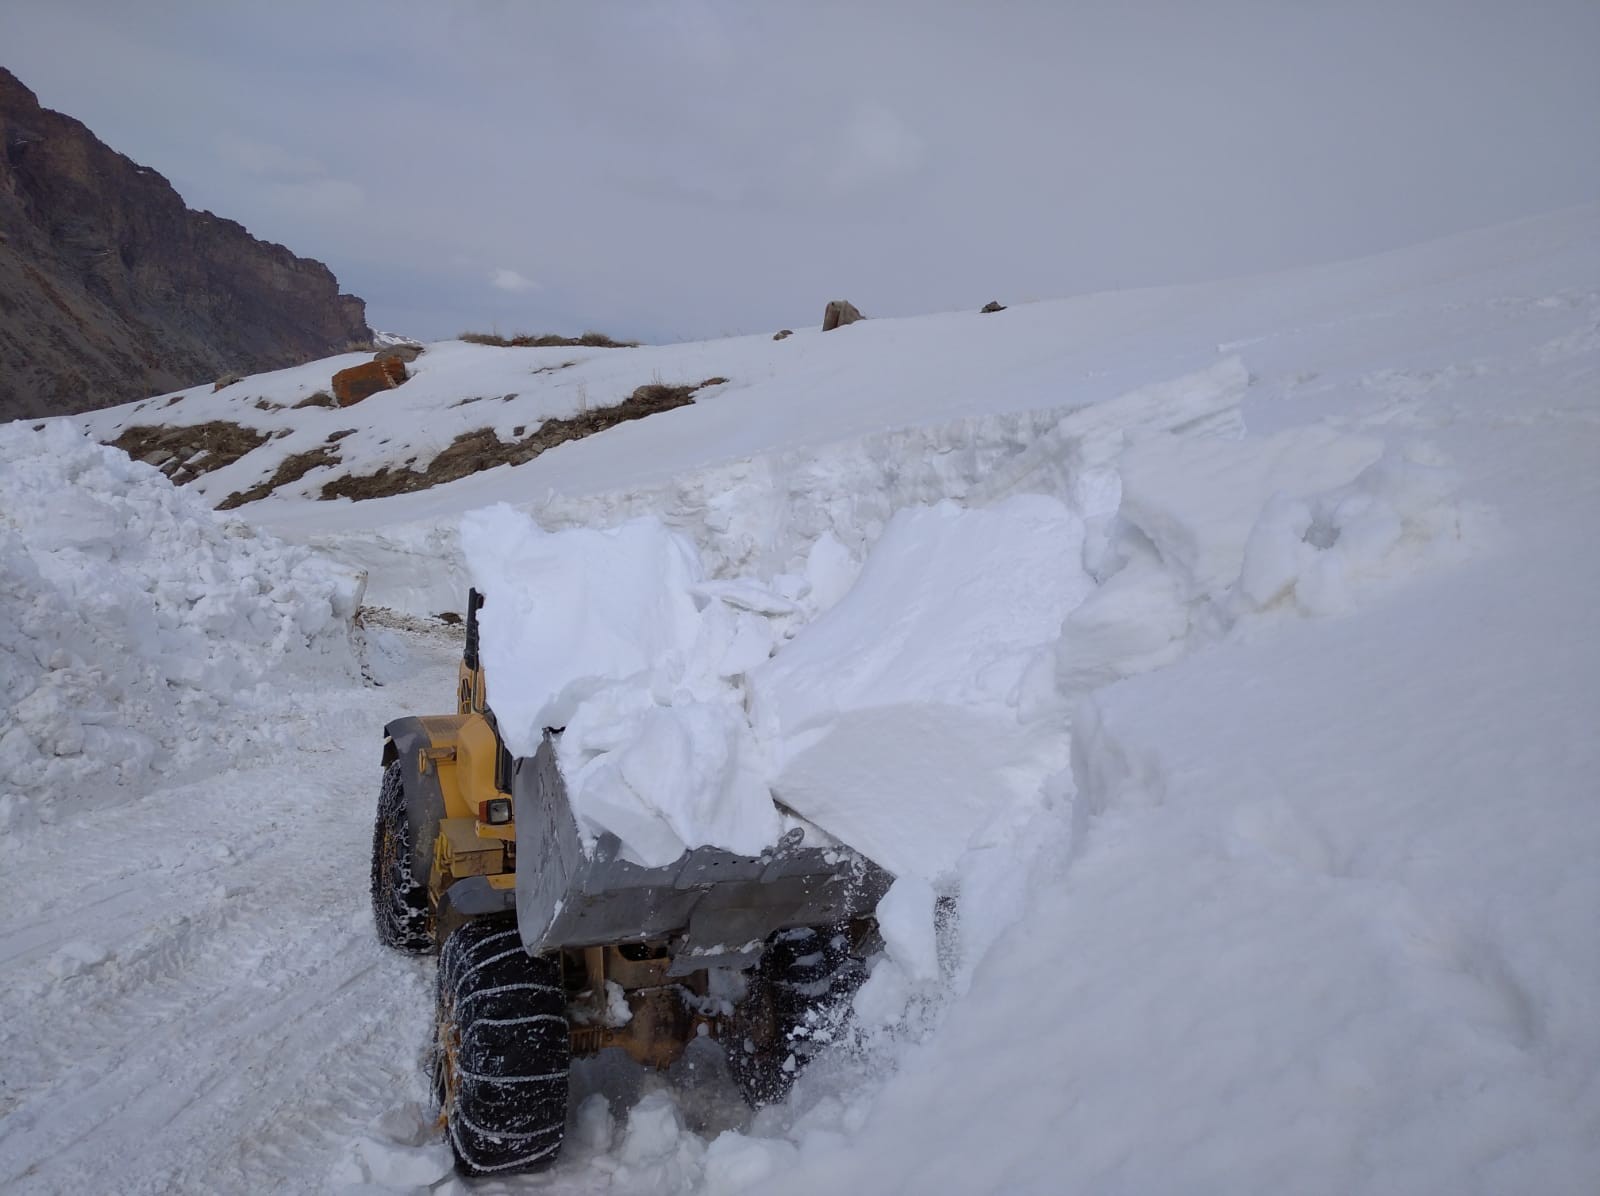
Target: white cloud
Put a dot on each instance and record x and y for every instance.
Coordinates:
(510, 280)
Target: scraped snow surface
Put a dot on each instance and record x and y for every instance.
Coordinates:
(1216, 667)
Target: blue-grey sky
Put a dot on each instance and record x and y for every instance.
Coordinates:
(701, 167)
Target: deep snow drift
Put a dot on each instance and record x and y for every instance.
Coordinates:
(1287, 875)
(141, 632)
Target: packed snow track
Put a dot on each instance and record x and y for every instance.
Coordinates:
(195, 998)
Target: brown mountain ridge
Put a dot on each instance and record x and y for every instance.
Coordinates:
(112, 289)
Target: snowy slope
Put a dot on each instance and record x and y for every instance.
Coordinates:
(1308, 907)
(1325, 922)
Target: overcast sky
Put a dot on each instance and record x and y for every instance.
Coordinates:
(691, 169)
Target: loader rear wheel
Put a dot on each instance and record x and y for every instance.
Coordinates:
(798, 1002)
(503, 1050)
(399, 899)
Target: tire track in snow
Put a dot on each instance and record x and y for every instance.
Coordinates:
(198, 1001)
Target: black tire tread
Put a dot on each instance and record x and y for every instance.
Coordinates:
(505, 1107)
(399, 900)
(805, 975)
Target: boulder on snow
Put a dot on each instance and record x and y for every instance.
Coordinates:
(992, 305)
(782, 333)
(838, 313)
(362, 381)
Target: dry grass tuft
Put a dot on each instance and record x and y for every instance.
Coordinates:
(291, 469)
(482, 449)
(547, 340)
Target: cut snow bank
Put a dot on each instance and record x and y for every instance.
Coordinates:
(761, 515)
(1211, 532)
(136, 627)
(914, 706)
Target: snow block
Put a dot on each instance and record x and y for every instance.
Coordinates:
(894, 717)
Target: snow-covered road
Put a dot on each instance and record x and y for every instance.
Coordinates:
(195, 1000)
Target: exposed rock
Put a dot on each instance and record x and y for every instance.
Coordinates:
(367, 379)
(111, 289)
(838, 313)
(185, 452)
(320, 399)
(993, 305)
(782, 333)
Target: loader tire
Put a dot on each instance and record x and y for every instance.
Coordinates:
(399, 899)
(798, 1002)
(503, 1050)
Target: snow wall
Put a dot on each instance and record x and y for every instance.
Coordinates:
(140, 633)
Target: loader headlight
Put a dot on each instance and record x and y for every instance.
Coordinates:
(496, 811)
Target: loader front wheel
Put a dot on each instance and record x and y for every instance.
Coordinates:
(798, 1002)
(502, 1050)
(399, 899)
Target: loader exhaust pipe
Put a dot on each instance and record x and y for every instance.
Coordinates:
(469, 655)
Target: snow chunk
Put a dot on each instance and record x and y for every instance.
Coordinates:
(894, 717)
(735, 1163)
(830, 571)
(1137, 621)
(617, 636)
(75, 958)
(657, 1152)
(401, 1151)
(1197, 498)
(569, 612)
(1314, 552)
(667, 777)
(905, 919)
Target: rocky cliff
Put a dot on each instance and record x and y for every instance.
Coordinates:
(112, 289)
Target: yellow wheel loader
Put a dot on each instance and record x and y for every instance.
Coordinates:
(552, 945)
